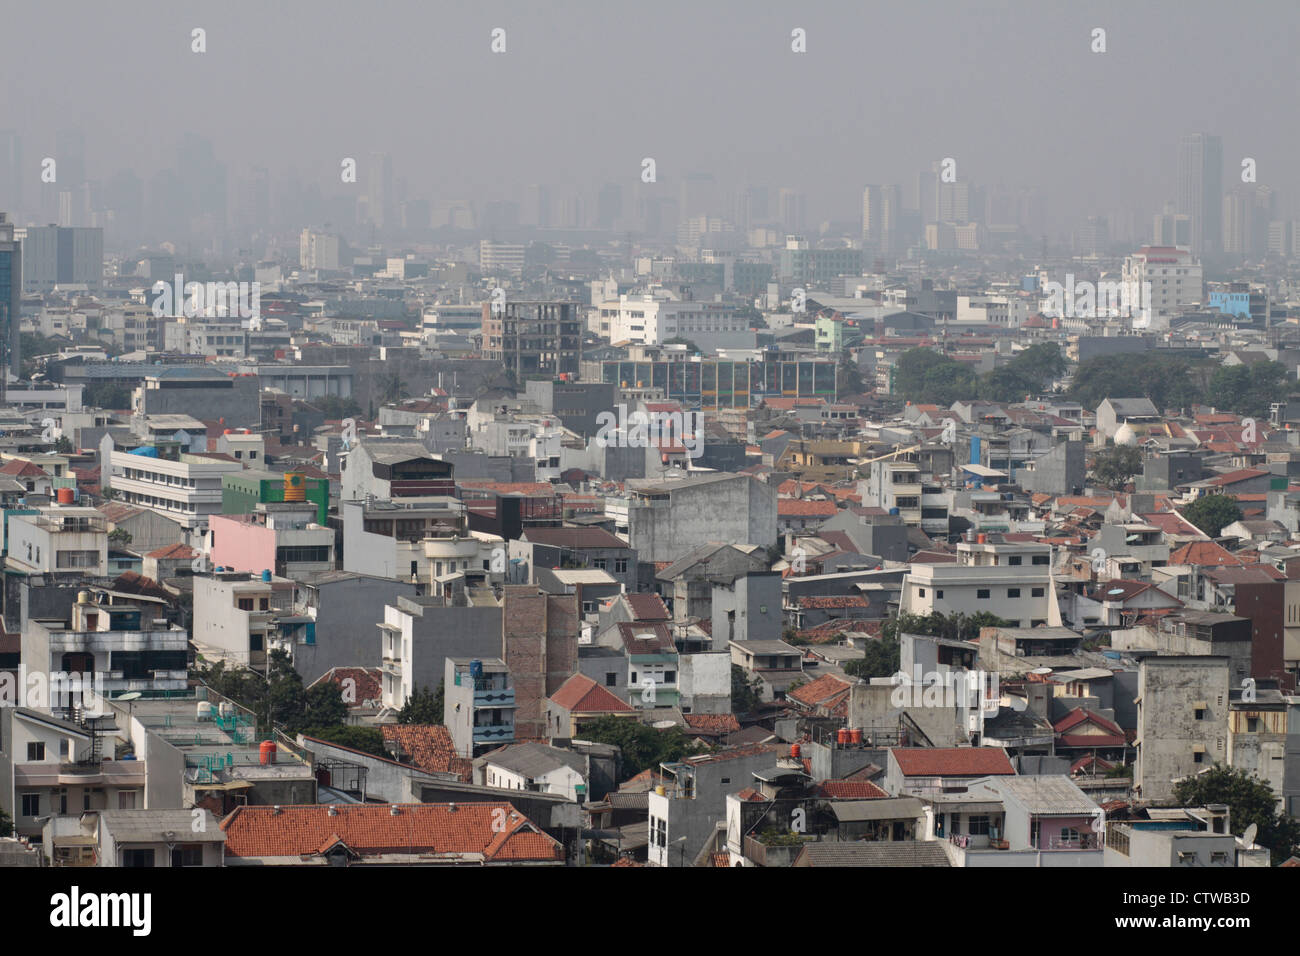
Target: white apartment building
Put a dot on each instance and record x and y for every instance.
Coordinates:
(1175, 278)
(318, 251)
(59, 538)
(505, 258)
(1013, 581)
(1009, 312)
(186, 489)
(650, 320)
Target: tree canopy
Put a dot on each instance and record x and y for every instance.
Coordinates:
(1249, 800)
(1113, 467)
(1213, 513)
(642, 747)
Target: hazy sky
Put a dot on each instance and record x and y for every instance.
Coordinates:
(1011, 90)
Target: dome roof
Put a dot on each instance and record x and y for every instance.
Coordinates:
(1126, 435)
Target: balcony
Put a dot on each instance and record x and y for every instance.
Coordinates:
(494, 733)
(503, 697)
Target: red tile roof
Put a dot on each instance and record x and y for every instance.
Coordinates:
(821, 692)
(952, 761)
(492, 832)
(1204, 553)
(430, 748)
(174, 552)
(365, 684)
(712, 723)
(802, 507)
(646, 607)
(850, 790)
(582, 695)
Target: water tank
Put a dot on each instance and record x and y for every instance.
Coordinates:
(659, 790)
(295, 486)
(476, 669)
(794, 751)
(65, 496)
(266, 576)
(203, 711)
(266, 752)
(225, 709)
(842, 736)
(855, 736)
(981, 539)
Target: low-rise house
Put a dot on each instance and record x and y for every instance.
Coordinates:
(534, 766)
(579, 701)
(445, 834)
(135, 838)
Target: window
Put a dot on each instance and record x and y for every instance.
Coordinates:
(1200, 713)
(599, 564)
(611, 680)
(938, 594)
(137, 858)
(1198, 757)
(1014, 559)
(977, 826)
(1035, 592)
(670, 677)
(920, 592)
(620, 565)
(982, 594)
(1040, 559)
(245, 604)
(188, 855)
(1013, 592)
(35, 750)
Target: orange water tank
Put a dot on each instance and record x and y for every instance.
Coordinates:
(266, 752)
(65, 496)
(981, 539)
(855, 736)
(842, 736)
(295, 487)
(794, 751)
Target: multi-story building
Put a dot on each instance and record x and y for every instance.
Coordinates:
(534, 339)
(236, 615)
(478, 704)
(1165, 280)
(318, 251)
(11, 294)
(185, 487)
(59, 539)
(281, 537)
(1012, 581)
(500, 258)
(123, 646)
(651, 319)
(1200, 189)
(62, 256)
(1182, 721)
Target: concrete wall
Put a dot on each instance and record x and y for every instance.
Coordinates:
(346, 614)
(1169, 689)
(738, 510)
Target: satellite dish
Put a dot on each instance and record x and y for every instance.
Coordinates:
(1115, 591)
(1041, 670)
(131, 695)
(1249, 835)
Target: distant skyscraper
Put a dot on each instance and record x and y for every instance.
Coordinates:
(59, 256)
(882, 208)
(1200, 189)
(11, 173)
(1172, 229)
(794, 210)
(537, 209)
(609, 206)
(11, 291)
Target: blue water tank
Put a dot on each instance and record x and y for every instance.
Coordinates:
(266, 575)
(476, 669)
(893, 511)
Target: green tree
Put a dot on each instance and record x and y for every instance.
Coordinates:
(6, 824)
(745, 697)
(925, 376)
(335, 408)
(1213, 513)
(423, 706)
(1113, 467)
(119, 537)
(1250, 800)
(1247, 389)
(956, 626)
(881, 660)
(366, 739)
(642, 747)
(325, 706)
(109, 395)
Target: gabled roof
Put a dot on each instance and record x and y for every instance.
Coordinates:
(1206, 554)
(649, 637)
(471, 831)
(646, 607)
(952, 761)
(582, 695)
(430, 748)
(821, 692)
(850, 790)
(573, 538)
